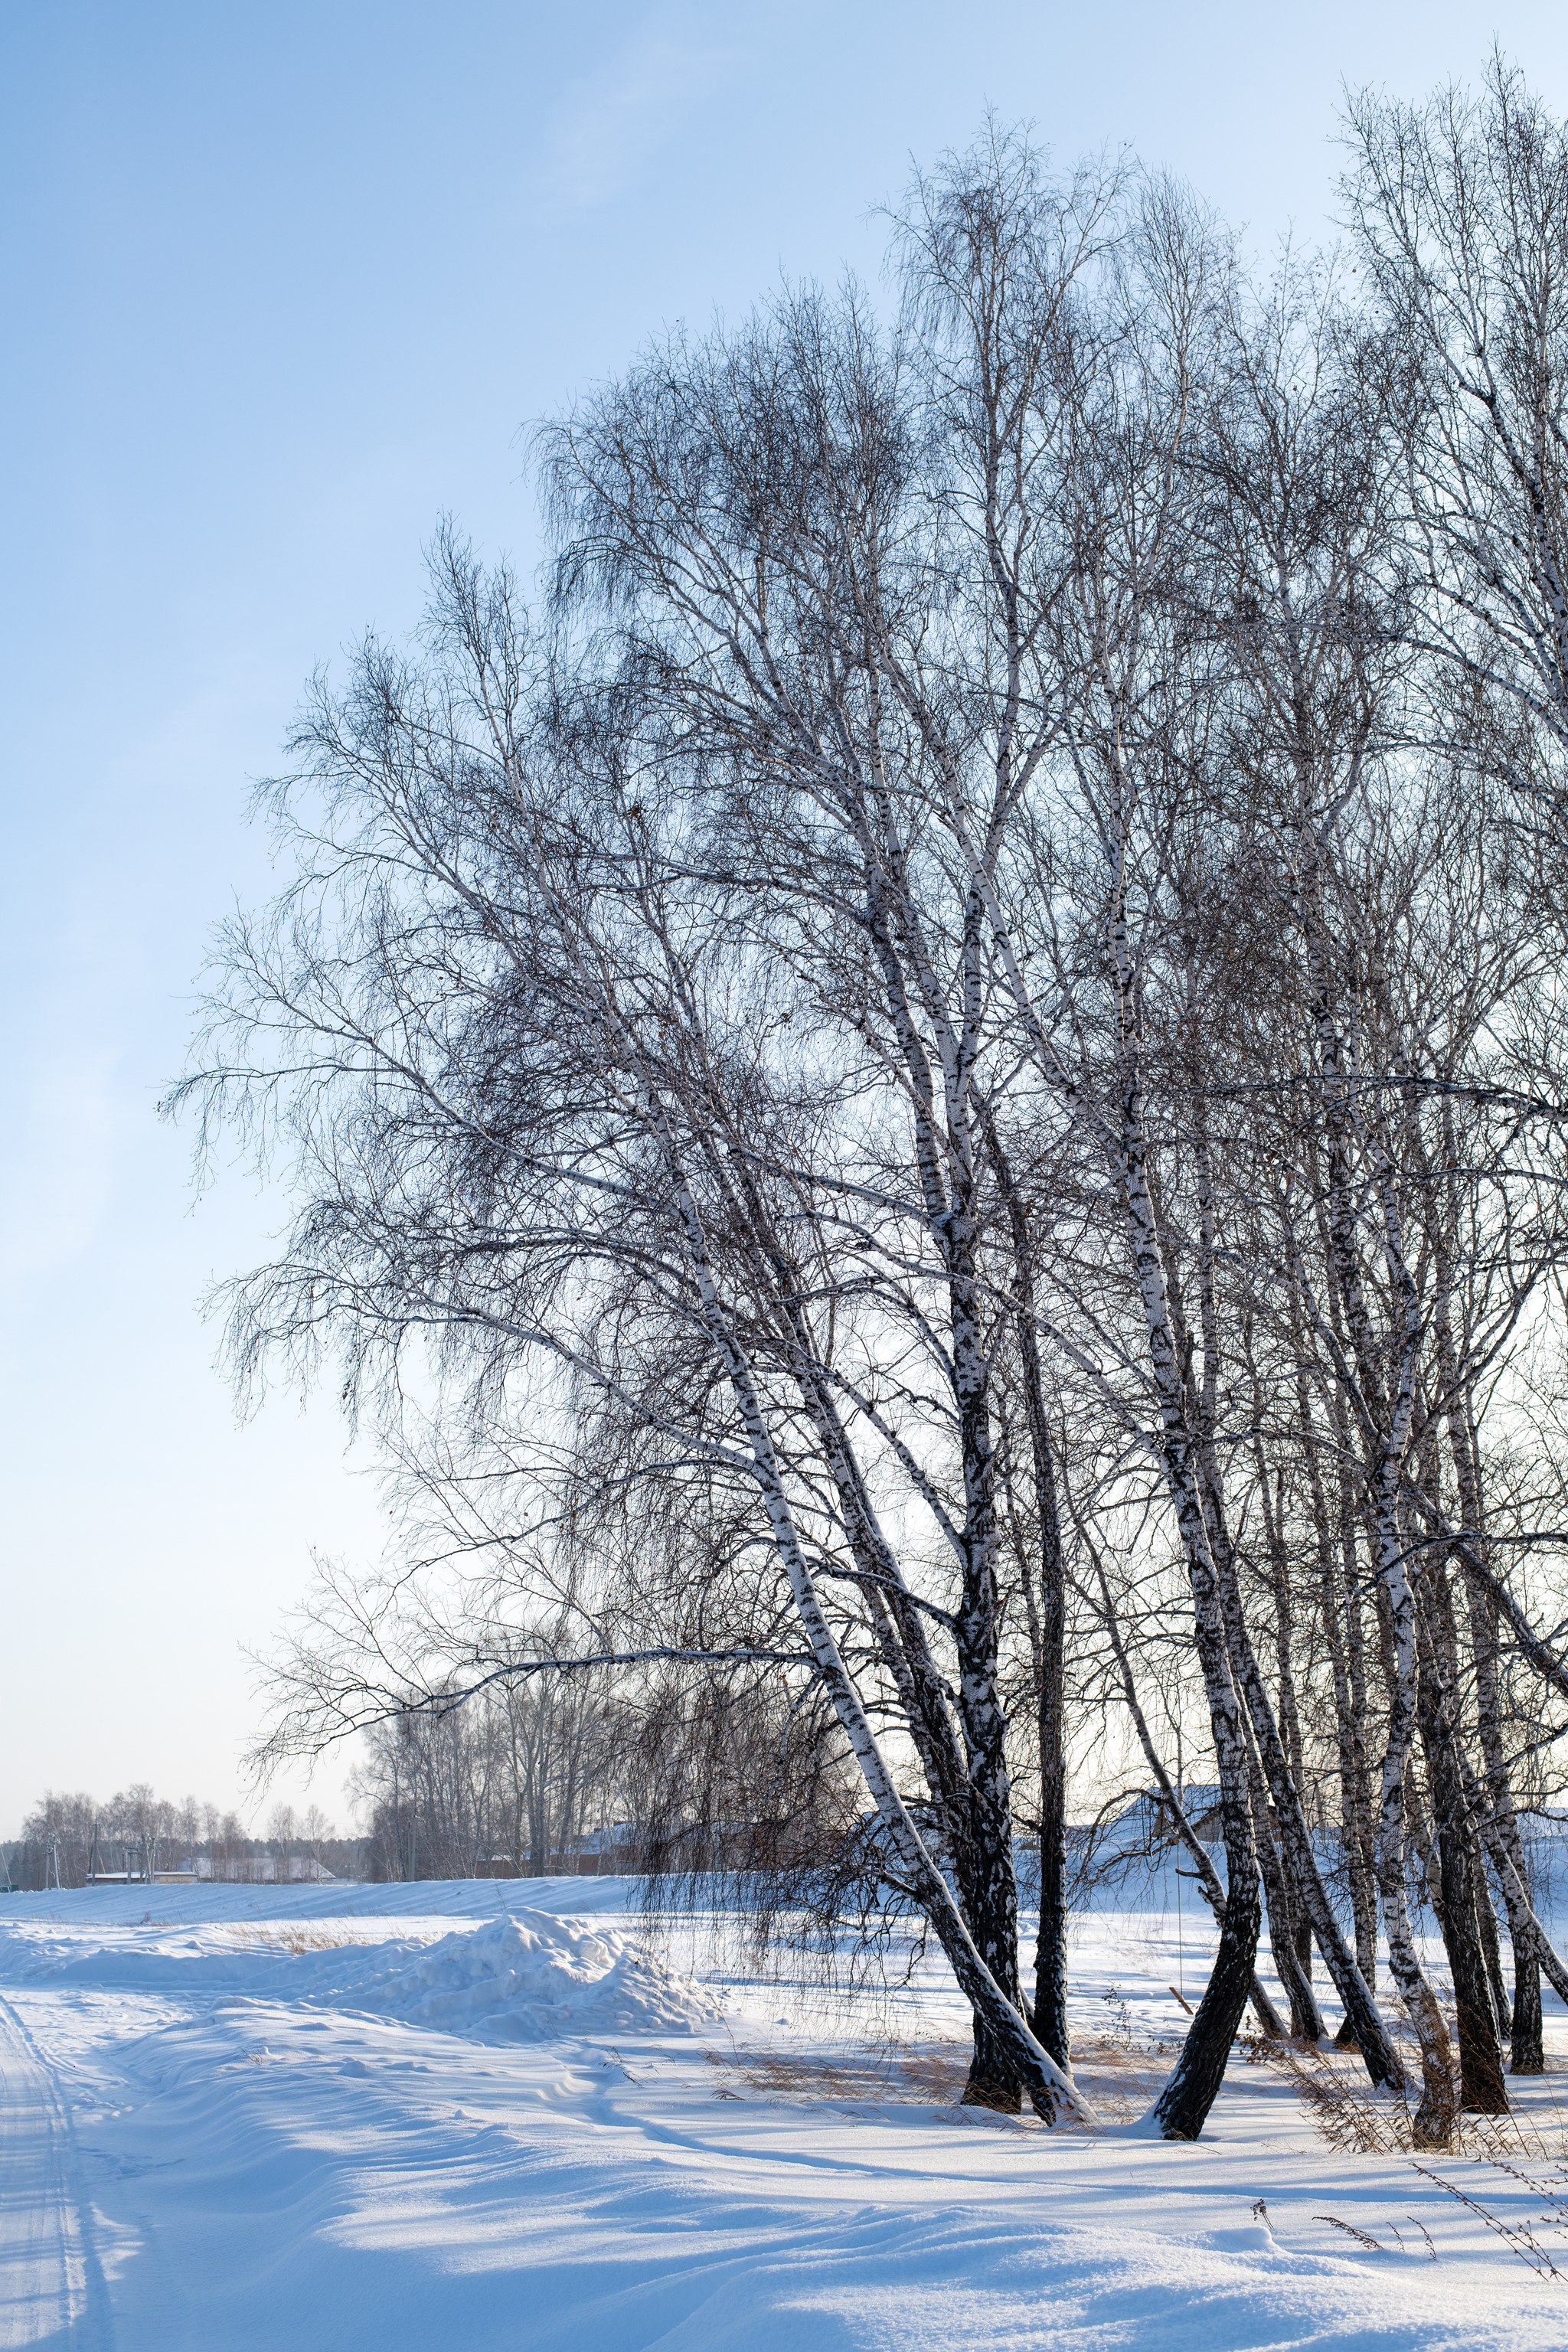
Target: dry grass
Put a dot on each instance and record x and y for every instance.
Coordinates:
(1357, 2120)
(899, 2074)
(1119, 2081)
(292, 1940)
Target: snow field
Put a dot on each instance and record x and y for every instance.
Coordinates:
(473, 2116)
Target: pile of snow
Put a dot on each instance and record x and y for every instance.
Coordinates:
(509, 1982)
(528, 1975)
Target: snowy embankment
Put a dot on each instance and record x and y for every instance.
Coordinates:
(485, 2115)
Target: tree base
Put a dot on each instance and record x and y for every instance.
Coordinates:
(1003, 2098)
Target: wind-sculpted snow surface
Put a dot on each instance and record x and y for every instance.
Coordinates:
(492, 2118)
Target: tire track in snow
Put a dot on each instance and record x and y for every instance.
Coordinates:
(52, 2289)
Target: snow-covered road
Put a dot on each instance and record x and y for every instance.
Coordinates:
(51, 2287)
(373, 2124)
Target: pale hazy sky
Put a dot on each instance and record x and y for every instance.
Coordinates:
(280, 285)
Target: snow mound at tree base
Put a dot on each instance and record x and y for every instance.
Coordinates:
(509, 1982)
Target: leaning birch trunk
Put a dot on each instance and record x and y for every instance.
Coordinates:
(1434, 2118)
(1522, 2025)
(1194, 2084)
(1306, 2020)
(1292, 1882)
(1363, 1895)
(900, 1635)
(1555, 1970)
(1481, 2090)
(1194, 2081)
(1527, 2042)
(1051, 2089)
(1208, 1876)
(1183, 2105)
(1049, 1627)
(1361, 2013)
(1386, 1439)
(1527, 2052)
(1491, 1945)
(974, 1831)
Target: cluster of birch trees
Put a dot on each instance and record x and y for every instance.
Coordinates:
(948, 1062)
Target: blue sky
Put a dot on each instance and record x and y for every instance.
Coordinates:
(280, 285)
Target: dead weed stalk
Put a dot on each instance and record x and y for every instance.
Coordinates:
(1356, 2120)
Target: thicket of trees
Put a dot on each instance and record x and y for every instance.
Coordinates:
(950, 1061)
(569, 1773)
(522, 1780)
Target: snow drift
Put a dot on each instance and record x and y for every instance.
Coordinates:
(509, 1982)
(534, 1978)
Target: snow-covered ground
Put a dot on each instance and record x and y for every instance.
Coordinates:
(478, 2115)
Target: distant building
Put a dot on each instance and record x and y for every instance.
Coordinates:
(1146, 1823)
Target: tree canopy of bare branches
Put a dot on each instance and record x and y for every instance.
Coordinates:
(926, 1102)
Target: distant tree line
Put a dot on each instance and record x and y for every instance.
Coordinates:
(68, 1832)
(578, 1774)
